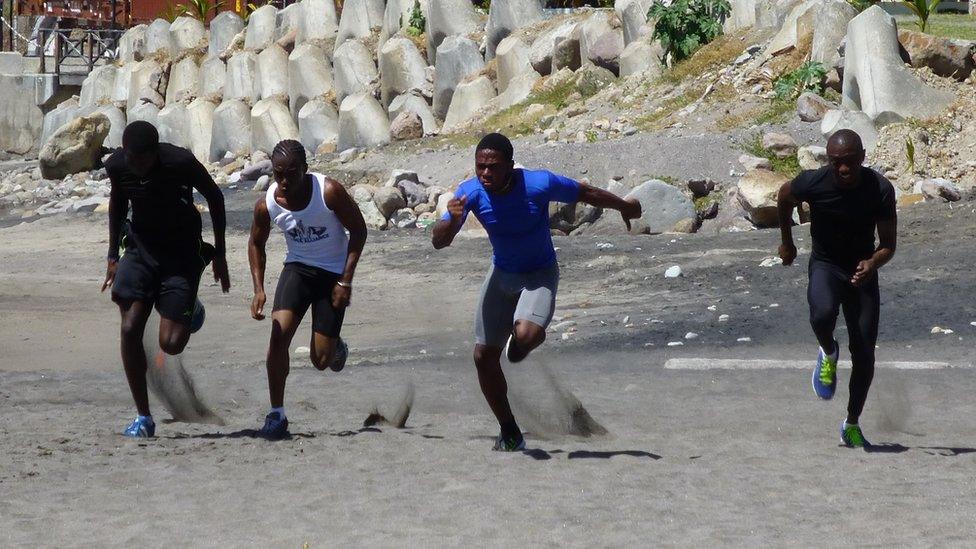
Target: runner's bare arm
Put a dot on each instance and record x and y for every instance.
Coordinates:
(445, 230)
(628, 208)
(887, 242)
(256, 256)
(205, 184)
(118, 207)
(786, 202)
(339, 201)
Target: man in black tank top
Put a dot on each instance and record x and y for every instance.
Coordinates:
(157, 258)
(848, 202)
(302, 286)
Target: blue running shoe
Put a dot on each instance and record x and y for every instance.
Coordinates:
(142, 427)
(825, 374)
(509, 444)
(275, 427)
(341, 354)
(851, 436)
(197, 317)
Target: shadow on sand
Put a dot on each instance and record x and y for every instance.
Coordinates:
(895, 448)
(542, 455)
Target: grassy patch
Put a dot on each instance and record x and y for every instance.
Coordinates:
(719, 53)
(651, 121)
(702, 203)
(946, 25)
(788, 166)
(776, 112)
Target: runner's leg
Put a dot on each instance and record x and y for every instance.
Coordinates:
(134, 316)
(824, 292)
(493, 324)
(862, 311)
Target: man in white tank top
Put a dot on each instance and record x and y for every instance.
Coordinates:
(314, 213)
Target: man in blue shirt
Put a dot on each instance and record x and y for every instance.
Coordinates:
(519, 293)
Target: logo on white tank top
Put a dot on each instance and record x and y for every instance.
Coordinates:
(304, 234)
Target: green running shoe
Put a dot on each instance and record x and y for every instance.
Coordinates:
(851, 436)
(509, 444)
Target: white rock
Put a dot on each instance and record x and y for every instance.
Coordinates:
(318, 123)
(672, 272)
(173, 125)
(512, 55)
(200, 123)
(132, 45)
(540, 54)
(158, 38)
(506, 17)
(417, 105)
(213, 73)
(859, 122)
(271, 67)
(633, 19)
(261, 26)
(449, 18)
(402, 69)
(184, 81)
(320, 21)
(241, 80)
(359, 18)
(271, 122)
(457, 58)
(353, 70)
(231, 130)
(148, 112)
(662, 206)
(98, 86)
(309, 76)
(468, 99)
(642, 58)
(187, 34)
(223, 28)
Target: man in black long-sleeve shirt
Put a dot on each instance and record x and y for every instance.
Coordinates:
(157, 259)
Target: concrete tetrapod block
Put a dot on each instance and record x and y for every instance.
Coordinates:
(184, 81)
(320, 21)
(512, 57)
(116, 122)
(318, 126)
(147, 82)
(147, 112)
(158, 38)
(261, 27)
(876, 80)
(591, 30)
(231, 129)
(402, 68)
(829, 30)
(123, 75)
(241, 81)
(859, 122)
(469, 98)
(271, 122)
(309, 76)
(353, 70)
(65, 112)
(200, 124)
(540, 54)
(362, 122)
(173, 124)
(213, 74)
(795, 29)
(457, 58)
(223, 29)
(397, 17)
(449, 18)
(642, 58)
(132, 45)
(272, 72)
(187, 34)
(506, 17)
(98, 86)
(358, 19)
(633, 18)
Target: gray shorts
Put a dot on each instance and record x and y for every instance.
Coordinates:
(507, 297)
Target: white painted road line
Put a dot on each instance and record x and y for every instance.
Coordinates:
(743, 364)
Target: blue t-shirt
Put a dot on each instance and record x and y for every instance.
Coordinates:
(517, 222)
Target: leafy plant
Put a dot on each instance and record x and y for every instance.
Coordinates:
(807, 77)
(248, 10)
(171, 11)
(686, 25)
(910, 153)
(591, 136)
(861, 5)
(201, 9)
(417, 23)
(788, 166)
(922, 10)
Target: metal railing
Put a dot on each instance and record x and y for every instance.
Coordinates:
(77, 49)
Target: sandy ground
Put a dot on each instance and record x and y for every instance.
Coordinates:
(729, 457)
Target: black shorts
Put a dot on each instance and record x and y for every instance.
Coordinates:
(169, 281)
(302, 285)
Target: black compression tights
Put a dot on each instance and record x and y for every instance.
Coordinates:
(829, 290)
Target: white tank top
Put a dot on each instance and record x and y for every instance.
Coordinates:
(314, 236)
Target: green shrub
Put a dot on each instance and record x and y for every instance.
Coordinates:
(861, 5)
(417, 22)
(807, 77)
(686, 25)
(922, 10)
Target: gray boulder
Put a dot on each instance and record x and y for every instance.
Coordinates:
(457, 58)
(318, 126)
(147, 82)
(402, 69)
(642, 58)
(780, 144)
(757, 192)
(231, 129)
(74, 147)
(372, 216)
(566, 54)
(389, 200)
(605, 51)
(592, 29)
(812, 157)
(414, 193)
(859, 122)
(543, 47)
(743, 16)
(353, 70)
(829, 29)
(876, 80)
(309, 76)
(449, 18)
(200, 115)
(946, 57)
(116, 123)
(173, 124)
(223, 29)
(65, 112)
(147, 112)
(406, 125)
(938, 189)
(662, 206)
(810, 107)
(362, 122)
(633, 19)
(416, 104)
(797, 27)
(506, 17)
(271, 122)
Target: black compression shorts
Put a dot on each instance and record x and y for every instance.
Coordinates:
(169, 281)
(302, 285)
